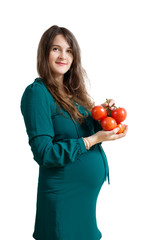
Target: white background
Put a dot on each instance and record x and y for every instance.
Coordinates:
(120, 44)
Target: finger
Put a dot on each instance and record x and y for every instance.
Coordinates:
(120, 135)
(114, 131)
(104, 104)
(113, 107)
(126, 129)
(111, 102)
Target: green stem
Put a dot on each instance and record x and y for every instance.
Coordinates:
(107, 101)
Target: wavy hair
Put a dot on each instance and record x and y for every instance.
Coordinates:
(74, 79)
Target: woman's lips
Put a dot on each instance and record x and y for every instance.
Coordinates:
(60, 63)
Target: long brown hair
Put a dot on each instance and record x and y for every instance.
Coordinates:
(74, 78)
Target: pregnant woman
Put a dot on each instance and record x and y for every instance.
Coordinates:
(65, 141)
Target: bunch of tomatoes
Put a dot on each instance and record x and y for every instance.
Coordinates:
(110, 119)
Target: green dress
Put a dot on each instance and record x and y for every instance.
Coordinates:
(70, 177)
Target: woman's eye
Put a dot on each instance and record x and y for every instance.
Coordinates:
(55, 49)
(69, 50)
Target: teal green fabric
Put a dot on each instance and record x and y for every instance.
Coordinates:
(70, 177)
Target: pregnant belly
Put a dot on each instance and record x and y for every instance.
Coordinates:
(89, 170)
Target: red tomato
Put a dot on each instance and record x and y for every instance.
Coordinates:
(119, 114)
(108, 123)
(98, 113)
(121, 128)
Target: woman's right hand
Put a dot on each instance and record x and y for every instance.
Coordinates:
(110, 135)
(102, 136)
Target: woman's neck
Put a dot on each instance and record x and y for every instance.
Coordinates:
(59, 79)
(61, 89)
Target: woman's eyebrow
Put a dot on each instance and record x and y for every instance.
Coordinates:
(56, 45)
(60, 46)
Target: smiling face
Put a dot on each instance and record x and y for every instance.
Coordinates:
(60, 56)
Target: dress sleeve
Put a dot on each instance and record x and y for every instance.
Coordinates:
(47, 152)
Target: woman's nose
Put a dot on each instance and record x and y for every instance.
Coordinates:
(62, 55)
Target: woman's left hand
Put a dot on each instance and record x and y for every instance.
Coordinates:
(110, 103)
